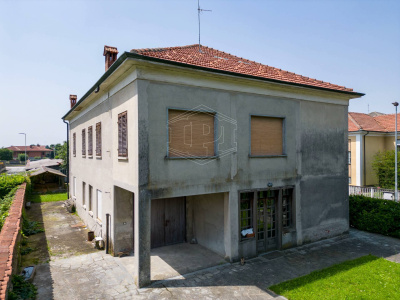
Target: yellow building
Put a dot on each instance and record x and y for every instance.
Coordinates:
(368, 134)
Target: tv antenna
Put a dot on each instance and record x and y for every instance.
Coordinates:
(199, 10)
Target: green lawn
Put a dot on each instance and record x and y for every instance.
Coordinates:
(48, 197)
(367, 277)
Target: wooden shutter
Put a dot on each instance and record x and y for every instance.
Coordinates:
(190, 134)
(266, 136)
(83, 142)
(98, 139)
(90, 140)
(74, 143)
(123, 134)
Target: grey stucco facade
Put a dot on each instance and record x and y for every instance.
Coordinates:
(314, 164)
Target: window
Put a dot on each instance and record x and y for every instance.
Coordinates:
(349, 152)
(287, 208)
(83, 193)
(74, 186)
(267, 136)
(90, 197)
(90, 141)
(83, 142)
(74, 143)
(190, 134)
(123, 134)
(99, 205)
(246, 213)
(98, 139)
(349, 180)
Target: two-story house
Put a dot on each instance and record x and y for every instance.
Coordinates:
(182, 143)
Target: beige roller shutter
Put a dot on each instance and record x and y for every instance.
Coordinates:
(266, 136)
(190, 134)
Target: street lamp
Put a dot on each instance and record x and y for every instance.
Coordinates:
(396, 198)
(25, 145)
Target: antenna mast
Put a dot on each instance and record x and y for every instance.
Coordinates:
(199, 10)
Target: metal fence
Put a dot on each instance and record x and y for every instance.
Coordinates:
(372, 192)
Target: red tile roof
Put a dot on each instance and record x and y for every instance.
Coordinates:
(215, 59)
(383, 123)
(28, 148)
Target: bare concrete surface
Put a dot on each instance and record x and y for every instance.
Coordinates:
(100, 276)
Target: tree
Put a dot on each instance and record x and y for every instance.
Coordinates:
(22, 157)
(62, 154)
(383, 166)
(6, 154)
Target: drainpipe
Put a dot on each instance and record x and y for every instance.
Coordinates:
(365, 166)
(67, 157)
(107, 233)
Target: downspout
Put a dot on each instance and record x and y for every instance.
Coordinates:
(365, 166)
(67, 157)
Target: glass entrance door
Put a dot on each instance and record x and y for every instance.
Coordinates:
(267, 206)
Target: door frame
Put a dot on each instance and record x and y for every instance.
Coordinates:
(279, 212)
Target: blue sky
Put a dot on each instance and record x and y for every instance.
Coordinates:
(50, 49)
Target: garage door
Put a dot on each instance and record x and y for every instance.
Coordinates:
(167, 221)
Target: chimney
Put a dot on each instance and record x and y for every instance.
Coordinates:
(111, 55)
(72, 99)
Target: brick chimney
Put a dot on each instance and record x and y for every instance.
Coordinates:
(111, 55)
(72, 99)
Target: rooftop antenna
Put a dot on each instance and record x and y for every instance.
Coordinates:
(199, 10)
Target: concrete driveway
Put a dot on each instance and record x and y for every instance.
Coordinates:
(100, 276)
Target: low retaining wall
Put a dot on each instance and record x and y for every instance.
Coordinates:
(9, 240)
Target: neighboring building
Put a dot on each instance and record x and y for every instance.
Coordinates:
(367, 136)
(32, 151)
(175, 143)
(49, 163)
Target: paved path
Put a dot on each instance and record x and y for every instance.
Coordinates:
(100, 276)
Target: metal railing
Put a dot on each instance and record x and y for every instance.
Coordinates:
(372, 192)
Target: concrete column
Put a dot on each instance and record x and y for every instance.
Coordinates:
(142, 235)
(359, 159)
(231, 225)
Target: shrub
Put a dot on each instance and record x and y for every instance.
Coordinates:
(22, 289)
(383, 166)
(5, 154)
(22, 157)
(8, 182)
(375, 215)
(5, 204)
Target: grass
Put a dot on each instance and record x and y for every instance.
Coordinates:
(48, 197)
(367, 277)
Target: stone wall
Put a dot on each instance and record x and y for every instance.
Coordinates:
(9, 240)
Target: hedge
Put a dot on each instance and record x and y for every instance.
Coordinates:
(375, 215)
(8, 182)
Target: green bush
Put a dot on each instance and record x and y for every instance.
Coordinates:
(375, 215)
(22, 289)
(5, 204)
(6, 154)
(21, 157)
(8, 182)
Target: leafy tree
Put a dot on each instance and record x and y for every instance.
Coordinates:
(383, 166)
(22, 157)
(5, 154)
(62, 154)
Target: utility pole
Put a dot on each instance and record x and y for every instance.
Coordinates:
(396, 192)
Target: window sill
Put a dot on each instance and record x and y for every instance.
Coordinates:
(84, 207)
(267, 156)
(83, 156)
(98, 221)
(191, 157)
(90, 156)
(98, 156)
(74, 197)
(90, 213)
(123, 158)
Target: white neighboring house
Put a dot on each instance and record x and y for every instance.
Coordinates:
(175, 143)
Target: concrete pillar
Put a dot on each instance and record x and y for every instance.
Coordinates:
(142, 238)
(231, 225)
